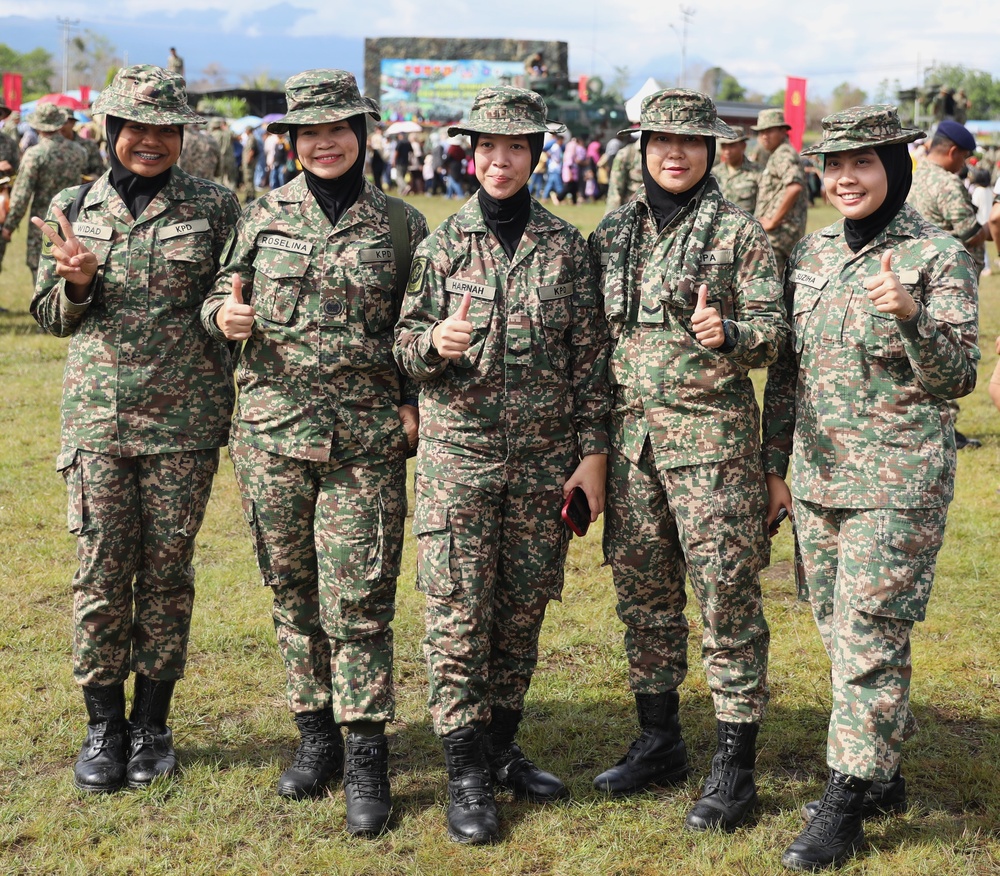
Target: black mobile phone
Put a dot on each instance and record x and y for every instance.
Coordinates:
(576, 511)
(778, 520)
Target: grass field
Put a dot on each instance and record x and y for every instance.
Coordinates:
(234, 735)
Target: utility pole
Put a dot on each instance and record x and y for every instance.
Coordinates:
(66, 24)
(687, 13)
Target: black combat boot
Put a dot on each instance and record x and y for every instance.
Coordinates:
(366, 784)
(882, 798)
(151, 753)
(104, 756)
(319, 758)
(657, 757)
(472, 811)
(510, 769)
(730, 794)
(835, 832)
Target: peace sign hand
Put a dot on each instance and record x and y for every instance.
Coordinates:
(76, 264)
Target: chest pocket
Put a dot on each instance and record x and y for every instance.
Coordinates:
(190, 267)
(481, 316)
(277, 283)
(803, 312)
(556, 309)
(102, 250)
(879, 332)
(378, 297)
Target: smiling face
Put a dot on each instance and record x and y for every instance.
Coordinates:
(148, 150)
(855, 181)
(676, 161)
(328, 150)
(503, 164)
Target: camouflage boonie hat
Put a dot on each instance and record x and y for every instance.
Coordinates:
(680, 111)
(503, 109)
(741, 136)
(862, 127)
(318, 97)
(770, 118)
(48, 117)
(147, 94)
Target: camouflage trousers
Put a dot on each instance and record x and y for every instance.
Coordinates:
(488, 563)
(135, 519)
(868, 577)
(328, 538)
(707, 523)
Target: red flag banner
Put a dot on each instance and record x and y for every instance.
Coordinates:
(85, 95)
(12, 90)
(795, 110)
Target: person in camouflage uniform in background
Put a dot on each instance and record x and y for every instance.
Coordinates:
(782, 200)
(501, 327)
(94, 164)
(693, 302)
(884, 316)
(738, 177)
(321, 433)
(200, 155)
(147, 397)
(226, 174)
(10, 158)
(626, 174)
(46, 169)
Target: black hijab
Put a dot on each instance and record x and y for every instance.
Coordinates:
(336, 196)
(135, 190)
(899, 174)
(663, 204)
(507, 218)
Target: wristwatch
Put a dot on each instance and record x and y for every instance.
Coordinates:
(731, 331)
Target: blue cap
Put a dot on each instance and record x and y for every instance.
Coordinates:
(960, 135)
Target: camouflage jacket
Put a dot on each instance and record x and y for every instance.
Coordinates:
(739, 185)
(695, 404)
(200, 154)
(859, 400)
(941, 198)
(46, 169)
(226, 173)
(783, 169)
(530, 395)
(626, 176)
(9, 152)
(326, 304)
(95, 164)
(141, 375)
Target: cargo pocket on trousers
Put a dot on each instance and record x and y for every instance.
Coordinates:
(433, 531)
(70, 466)
(260, 549)
(900, 568)
(740, 518)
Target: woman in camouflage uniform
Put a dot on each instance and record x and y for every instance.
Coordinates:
(693, 301)
(147, 397)
(321, 432)
(502, 329)
(884, 313)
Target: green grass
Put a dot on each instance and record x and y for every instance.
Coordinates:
(234, 735)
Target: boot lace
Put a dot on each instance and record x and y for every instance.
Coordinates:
(365, 773)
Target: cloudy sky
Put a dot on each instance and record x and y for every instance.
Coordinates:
(760, 43)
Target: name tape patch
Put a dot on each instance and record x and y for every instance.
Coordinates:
(805, 278)
(477, 290)
(285, 244)
(552, 293)
(89, 229)
(376, 255)
(717, 257)
(195, 226)
(909, 278)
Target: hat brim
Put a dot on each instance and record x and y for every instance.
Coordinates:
(843, 144)
(324, 115)
(718, 129)
(146, 113)
(758, 128)
(512, 128)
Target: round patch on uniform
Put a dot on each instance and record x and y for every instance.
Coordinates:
(46, 242)
(417, 275)
(333, 308)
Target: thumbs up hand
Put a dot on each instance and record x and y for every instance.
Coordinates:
(706, 322)
(887, 293)
(235, 319)
(452, 336)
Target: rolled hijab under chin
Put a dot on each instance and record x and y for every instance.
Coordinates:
(895, 159)
(134, 189)
(508, 217)
(336, 196)
(663, 204)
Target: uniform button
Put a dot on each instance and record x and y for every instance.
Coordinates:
(333, 308)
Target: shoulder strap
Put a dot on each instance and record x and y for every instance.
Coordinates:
(400, 242)
(74, 208)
